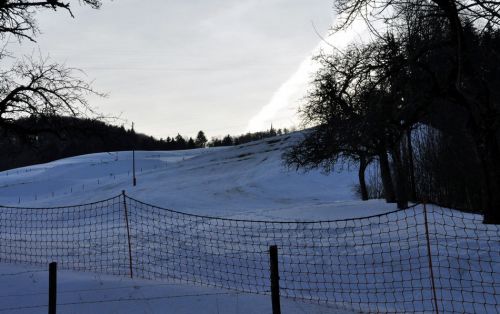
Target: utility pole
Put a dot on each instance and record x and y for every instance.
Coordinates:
(134, 180)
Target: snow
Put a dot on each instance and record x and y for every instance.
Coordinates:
(24, 289)
(247, 181)
(240, 182)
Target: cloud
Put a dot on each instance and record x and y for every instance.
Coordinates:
(281, 111)
(181, 66)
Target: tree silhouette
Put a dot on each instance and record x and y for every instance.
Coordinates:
(201, 139)
(227, 140)
(358, 111)
(36, 86)
(40, 88)
(466, 87)
(17, 17)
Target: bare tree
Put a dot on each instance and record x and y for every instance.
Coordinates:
(353, 116)
(17, 17)
(37, 86)
(466, 87)
(40, 88)
(390, 11)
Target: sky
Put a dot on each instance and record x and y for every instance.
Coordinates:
(172, 66)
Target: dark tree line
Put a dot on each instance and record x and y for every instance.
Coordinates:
(58, 137)
(230, 140)
(372, 102)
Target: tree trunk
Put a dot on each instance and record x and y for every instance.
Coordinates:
(411, 167)
(401, 182)
(486, 140)
(489, 154)
(361, 176)
(450, 10)
(385, 173)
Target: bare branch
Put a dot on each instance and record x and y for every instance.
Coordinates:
(41, 88)
(17, 17)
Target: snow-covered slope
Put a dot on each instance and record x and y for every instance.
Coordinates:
(247, 181)
(381, 259)
(243, 181)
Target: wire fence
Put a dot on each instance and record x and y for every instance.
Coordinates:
(414, 260)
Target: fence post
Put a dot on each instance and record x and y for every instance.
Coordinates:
(128, 233)
(134, 180)
(52, 287)
(275, 279)
(430, 258)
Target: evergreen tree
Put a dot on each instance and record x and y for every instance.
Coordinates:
(227, 140)
(180, 142)
(201, 139)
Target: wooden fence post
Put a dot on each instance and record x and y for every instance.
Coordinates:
(128, 233)
(134, 180)
(52, 287)
(275, 279)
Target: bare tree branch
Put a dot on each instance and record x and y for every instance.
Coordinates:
(41, 88)
(17, 17)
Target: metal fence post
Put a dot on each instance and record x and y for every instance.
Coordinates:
(52, 287)
(429, 255)
(275, 279)
(128, 233)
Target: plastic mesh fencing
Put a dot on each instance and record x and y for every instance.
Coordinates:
(466, 261)
(90, 237)
(374, 264)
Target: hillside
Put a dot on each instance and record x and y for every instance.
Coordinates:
(40, 140)
(246, 181)
(368, 264)
(249, 180)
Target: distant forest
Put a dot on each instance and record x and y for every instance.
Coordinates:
(229, 140)
(56, 137)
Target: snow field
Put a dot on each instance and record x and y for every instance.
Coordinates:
(24, 290)
(377, 264)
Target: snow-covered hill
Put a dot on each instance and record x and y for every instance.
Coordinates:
(378, 263)
(246, 181)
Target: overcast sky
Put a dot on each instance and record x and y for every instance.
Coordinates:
(173, 66)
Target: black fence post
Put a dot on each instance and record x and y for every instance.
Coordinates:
(128, 233)
(275, 279)
(429, 256)
(52, 287)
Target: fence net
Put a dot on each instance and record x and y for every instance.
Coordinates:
(90, 237)
(374, 264)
